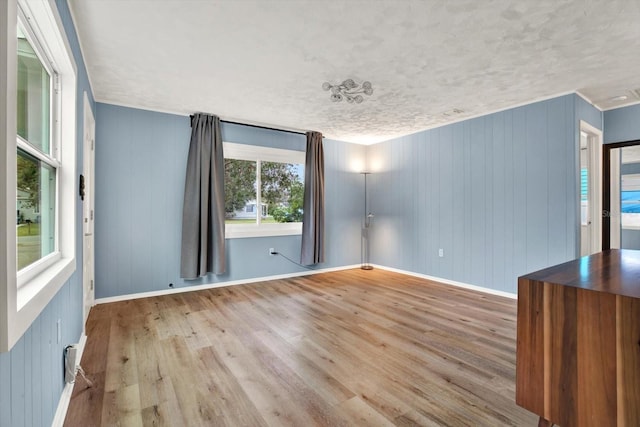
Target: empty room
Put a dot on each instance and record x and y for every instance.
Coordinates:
(319, 213)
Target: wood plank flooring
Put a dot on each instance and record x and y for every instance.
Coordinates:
(350, 348)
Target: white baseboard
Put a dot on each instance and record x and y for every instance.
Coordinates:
(220, 284)
(298, 274)
(451, 282)
(65, 398)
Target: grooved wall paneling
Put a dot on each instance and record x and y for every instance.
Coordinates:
(31, 374)
(622, 124)
(141, 158)
(497, 193)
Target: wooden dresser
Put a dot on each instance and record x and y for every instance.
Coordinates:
(578, 351)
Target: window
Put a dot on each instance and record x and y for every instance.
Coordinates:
(264, 190)
(36, 155)
(584, 196)
(38, 175)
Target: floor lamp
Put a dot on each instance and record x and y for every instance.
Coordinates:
(366, 226)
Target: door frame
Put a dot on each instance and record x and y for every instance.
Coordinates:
(606, 188)
(88, 206)
(595, 150)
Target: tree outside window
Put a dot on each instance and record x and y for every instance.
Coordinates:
(281, 191)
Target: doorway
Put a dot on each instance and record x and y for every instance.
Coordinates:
(621, 194)
(590, 189)
(88, 255)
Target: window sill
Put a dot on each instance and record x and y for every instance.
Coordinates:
(40, 289)
(237, 231)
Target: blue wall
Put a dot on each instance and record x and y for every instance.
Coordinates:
(31, 374)
(140, 169)
(622, 124)
(629, 239)
(497, 193)
(588, 113)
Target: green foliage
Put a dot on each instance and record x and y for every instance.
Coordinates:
(292, 212)
(296, 198)
(239, 184)
(29, 180)
(280, 188)
(276, 179)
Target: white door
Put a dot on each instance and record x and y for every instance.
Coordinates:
(590, 189)
(88, 275)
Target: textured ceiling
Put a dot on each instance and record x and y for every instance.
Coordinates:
(264, 61)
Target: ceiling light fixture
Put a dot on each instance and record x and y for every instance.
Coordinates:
(619, 98)
(348, 90)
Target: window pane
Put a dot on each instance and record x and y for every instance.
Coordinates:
(35, 209)
(584, 196)
(34, 87)
(282, 191)
(239, 191)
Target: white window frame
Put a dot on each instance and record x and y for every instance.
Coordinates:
(26, 293)
(52, 159)
(256, 153)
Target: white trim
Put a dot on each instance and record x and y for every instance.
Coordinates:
(595, 184)
(65, 397)
(626, 104)
(471, 117)
(588, 101)
(26, 146)
(28, 273)
(259, 154)
(241, 121)
(8, 125)
(274, 127)
(246, 122)
(615, 208)
(450, 282)
(221, 284)
(88, 208)
(253, 153)
(20, 307)
(241, 231)
(440, 280)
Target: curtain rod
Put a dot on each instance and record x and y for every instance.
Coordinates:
(263, 127)
(257, 126)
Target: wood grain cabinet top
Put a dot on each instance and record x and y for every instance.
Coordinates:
(578, 341)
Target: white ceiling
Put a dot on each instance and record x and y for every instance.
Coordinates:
(264, 61)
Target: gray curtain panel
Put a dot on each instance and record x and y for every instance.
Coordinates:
(312, 251)
(203, 249)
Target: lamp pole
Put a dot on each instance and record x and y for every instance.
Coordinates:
(364, 248)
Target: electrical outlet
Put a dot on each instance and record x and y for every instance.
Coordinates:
(440, 253)
(272, 251)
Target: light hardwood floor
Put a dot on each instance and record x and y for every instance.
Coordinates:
(370, 348)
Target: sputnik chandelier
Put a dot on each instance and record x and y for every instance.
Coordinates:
(348, 90)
